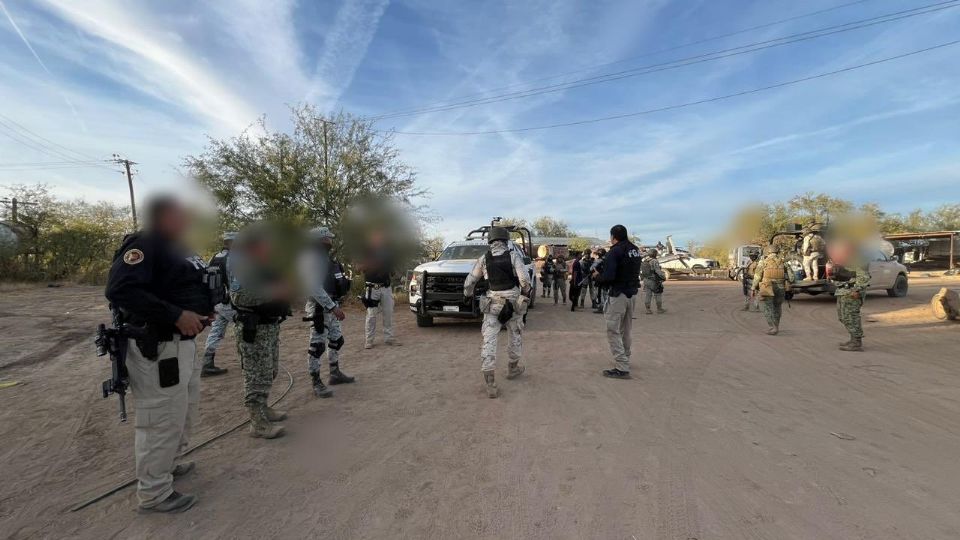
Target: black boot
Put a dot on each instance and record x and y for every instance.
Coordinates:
(209, 369)
(319, 389)
(616, 374)
(339, 377)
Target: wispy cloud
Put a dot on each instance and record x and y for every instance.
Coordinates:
(344, 47)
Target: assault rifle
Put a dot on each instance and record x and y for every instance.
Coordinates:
(113, 341)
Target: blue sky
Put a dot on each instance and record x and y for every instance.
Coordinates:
(151, 80)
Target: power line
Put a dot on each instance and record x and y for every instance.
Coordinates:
(698, 59)
(126, 166)
(648, 54)
(29, 138)
(687, 104)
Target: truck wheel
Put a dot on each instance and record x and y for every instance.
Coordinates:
(900, 286)
(424, 321)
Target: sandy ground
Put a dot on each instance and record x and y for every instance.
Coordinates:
(724, 432)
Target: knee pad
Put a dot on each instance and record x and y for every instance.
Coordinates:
(316, 349)
(336, 344)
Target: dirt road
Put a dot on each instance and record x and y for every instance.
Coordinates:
(724, 432)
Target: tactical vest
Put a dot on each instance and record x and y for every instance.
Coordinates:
(337, 284)
(500, 273)
(773, 271)
(646, 269)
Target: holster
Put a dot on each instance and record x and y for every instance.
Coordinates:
(767, 290)
(316, 319)
(506, 312)
(249, 321)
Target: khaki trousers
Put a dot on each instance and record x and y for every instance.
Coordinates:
(619, 317)
(164, 416)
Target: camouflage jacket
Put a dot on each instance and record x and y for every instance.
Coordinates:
(858, 283)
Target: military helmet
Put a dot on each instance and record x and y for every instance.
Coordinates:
(652, 252)
(229, 236)
(772, 249)
(498, 233)
(320, 233)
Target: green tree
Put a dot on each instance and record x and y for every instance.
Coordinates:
(944, 218)
(309, 176)
(548, 226)
(818, 207)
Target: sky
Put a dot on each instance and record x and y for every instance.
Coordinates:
(151, 81)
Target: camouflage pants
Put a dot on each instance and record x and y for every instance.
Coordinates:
(491, 335)
(772, 307)
(848, 311)
(259, 361)
(648, 287)
(329, 339)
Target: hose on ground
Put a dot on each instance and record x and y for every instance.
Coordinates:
(132, 481)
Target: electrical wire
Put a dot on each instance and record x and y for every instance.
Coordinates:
(684, 105)
(29, 138)
(647, 54)
(675, 64)
(119, 487)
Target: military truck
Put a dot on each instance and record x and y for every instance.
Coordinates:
(436, 288)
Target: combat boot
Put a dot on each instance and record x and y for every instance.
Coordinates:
(856, 344)
(260, 427)
(492, 390)
(274, 415)
(339, 377)
(649, 311)
(175, 503)
(773, 330)
(210, 370)
(660, 310)
(746, 306)
(515, 370)
(319, 389)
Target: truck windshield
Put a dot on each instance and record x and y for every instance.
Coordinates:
(472, 252)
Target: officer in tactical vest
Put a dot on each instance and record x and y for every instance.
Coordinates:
(749, 270)
(852, 277)
(621, 276)
(156, 285)
(326, 284)
(813, 248)
(771, 282)
(262, 301)
(559, 280)
(377, 294)
(653, 278)
(504, 304)
(224, 313)
(586, 286)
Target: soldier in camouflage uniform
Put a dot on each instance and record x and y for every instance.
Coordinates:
(852, 280)
(653, 278)
(509, 286)
(749, 270)
(772, 281)
(326, 285)
(260, 299)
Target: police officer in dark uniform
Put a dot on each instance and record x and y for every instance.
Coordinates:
(158, 286)
(621, 274)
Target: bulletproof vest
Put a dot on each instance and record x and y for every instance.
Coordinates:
(628, 268)
(500, 273)
(816, 244)
(646, 269)
(843, 274)
(336, 283)
(773, 270)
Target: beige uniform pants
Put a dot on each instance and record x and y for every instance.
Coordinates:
(384, 309)
(490, 329)
(164, 416)
(810, 266)
(619, 317)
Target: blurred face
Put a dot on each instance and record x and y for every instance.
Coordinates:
(173, 222)
(839, 252)
(259, 251)
(376, 238)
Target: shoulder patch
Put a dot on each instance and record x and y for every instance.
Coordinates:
(133, 256)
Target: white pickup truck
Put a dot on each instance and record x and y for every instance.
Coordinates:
(436, 287)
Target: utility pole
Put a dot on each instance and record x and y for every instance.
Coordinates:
(126, 166)
(13, 205)
(326, 157)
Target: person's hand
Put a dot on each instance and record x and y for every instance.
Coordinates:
(855, 295)
(338, 313)
(189, 323)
